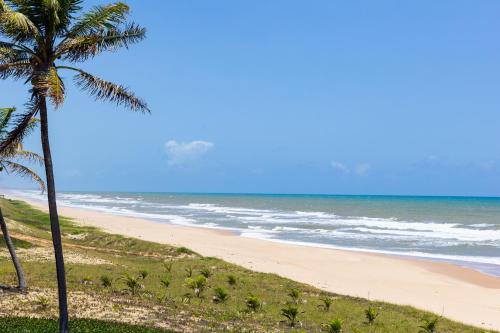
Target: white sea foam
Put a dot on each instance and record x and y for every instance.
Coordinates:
(315, 228)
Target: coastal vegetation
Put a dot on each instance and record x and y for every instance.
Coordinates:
(98, 264)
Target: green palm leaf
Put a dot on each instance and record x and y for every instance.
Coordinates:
(81, 48)
(23, 171)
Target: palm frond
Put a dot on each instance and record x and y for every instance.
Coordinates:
(16, 24)
(99, 18)
(23, 171)
(107, 91)
(22, 126)
(16, 70)
(81, 48)
(14, 62)
(5, 117)
(28, 156)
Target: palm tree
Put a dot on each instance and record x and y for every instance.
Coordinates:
(10, 163)
(45, 37)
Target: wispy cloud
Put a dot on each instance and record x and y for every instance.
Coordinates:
(360, 169)
(185, 152)
(338, 166)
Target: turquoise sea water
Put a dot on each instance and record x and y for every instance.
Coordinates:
(463, 230)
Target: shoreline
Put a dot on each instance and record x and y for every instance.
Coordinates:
(459, 293)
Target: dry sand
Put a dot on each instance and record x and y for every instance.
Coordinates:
(445, 289)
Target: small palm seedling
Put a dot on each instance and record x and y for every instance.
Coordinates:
(205, 272)
(253, 303)
(106, 281)
(42, 302)
(294, 295)
(334, 326)
(371, 314)
(189, 271)
(143, 274)
(231, 280)
(197, 284)
(220, 295)
(167, 265)
(291, 313)
(133, 283)
(326, 303)
(429, 325)
(165, 282)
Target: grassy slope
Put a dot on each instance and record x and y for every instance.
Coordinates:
(176, 307)
(30, 325)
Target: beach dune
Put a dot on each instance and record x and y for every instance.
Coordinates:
(458, 293)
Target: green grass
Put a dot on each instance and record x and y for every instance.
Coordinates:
(18, 243)
(30, 325)
(178, 305)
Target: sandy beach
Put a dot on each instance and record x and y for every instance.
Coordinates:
(458, 293)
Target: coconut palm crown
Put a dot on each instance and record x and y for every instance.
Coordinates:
(42, 38)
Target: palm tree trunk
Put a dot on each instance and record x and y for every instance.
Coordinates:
(54, 219)
(19, 270)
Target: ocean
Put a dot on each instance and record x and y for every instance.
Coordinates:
(461, 230)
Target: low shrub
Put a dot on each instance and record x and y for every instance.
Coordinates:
(197, 284)
(220, 295)
(326, 303)
(334, 326)
(253, 303)
(205, 272)
(291, 314)
(106, 281)
(371, 314)
(429, 325)
(231, 280)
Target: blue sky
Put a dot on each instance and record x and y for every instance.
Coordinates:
(351, 97)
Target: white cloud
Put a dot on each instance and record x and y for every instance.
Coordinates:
(185, 152)
(362, 169)
(337, 166)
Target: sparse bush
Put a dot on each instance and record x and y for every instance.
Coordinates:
(253, 302)
(334, 326)
(189, 271)
(326, 303)
(42, 302)
(231, 280)
(294, 295)
(165, 282)
(205, 272)
(167, 265)
(371, 314)
(133, 283)
(197, 284)
(220, 295)
(183, 250)
(429, 325)
(291, 313)
(143, 274)
(106, 281)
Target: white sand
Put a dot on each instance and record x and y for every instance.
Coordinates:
(457, 293)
